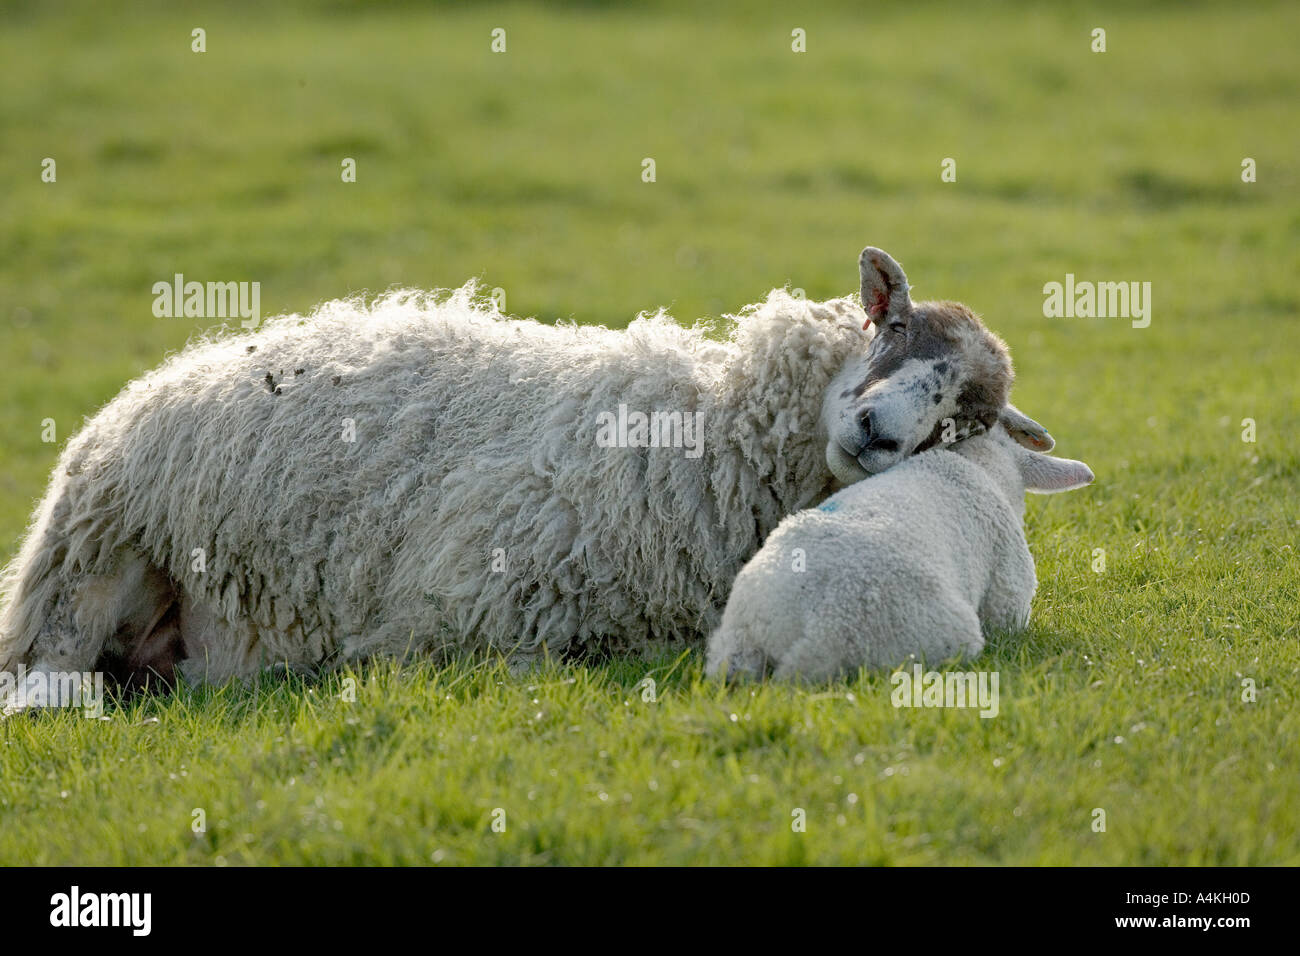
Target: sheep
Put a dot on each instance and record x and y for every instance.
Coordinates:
(919, 560)
(422, 473)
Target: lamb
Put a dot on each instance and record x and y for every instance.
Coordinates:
(424, 474)
(918, 560)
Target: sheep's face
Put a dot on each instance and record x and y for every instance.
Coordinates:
(932, 373)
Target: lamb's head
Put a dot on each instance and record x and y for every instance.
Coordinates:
(931, 373)
(1016, 469)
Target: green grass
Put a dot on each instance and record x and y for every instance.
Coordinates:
(524, 169)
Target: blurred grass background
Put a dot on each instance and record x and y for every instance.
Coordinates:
(773, 168)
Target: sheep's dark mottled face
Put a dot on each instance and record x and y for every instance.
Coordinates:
(932, 373)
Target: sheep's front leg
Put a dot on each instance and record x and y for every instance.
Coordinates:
(125, 615)
(731, 656)
(51, 673)
(810, 659)
(1006, 603)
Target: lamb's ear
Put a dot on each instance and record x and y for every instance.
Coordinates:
(1025, 430)
(884, 286)
(1047, 475)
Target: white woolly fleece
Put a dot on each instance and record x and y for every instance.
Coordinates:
(472, 433)
(914, 561)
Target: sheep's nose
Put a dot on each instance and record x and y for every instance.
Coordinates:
(874, 440)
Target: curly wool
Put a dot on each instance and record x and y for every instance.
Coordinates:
(227, 471)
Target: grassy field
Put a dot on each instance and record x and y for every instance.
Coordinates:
(524, 169)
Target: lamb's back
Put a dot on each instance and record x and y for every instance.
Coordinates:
(936, 521)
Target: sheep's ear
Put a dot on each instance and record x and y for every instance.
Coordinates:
(884, 286)
(1025, 430)
(1047, 475)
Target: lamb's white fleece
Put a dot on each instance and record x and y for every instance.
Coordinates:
(916, 560)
